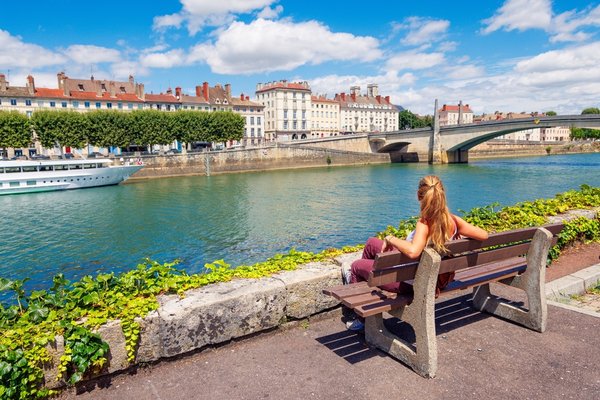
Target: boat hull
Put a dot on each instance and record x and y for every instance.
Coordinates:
(31, 182)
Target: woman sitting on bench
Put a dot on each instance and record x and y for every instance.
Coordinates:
(436, 225)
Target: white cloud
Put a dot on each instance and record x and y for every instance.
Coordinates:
(520, 15)
(573, 58)
(463, 72)
(16, 53)
(89, 54)
(424, 30)
(200, 13)
(565, 26)
(414, 61)
(265, 45)
(169, 59)
(270, 13)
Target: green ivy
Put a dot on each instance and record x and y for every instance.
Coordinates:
(76, 310)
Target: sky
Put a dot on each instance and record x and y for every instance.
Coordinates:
(495, 55)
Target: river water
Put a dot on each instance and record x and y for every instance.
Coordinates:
(245, 218)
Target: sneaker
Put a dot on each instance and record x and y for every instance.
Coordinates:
(355, 325)
(346, 271)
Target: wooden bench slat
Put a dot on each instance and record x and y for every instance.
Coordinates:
(375, 295)
(342, 291)
(384, 305)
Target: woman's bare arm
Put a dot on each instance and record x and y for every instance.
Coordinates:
(469, 230)
(411, 249)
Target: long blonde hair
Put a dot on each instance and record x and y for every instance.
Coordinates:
(434, 211)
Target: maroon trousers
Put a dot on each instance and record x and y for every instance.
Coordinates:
(361, 268)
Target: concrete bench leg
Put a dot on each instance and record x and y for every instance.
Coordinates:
(422, 358)
(532, 281)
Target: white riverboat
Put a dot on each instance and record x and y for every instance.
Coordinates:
(42, 176)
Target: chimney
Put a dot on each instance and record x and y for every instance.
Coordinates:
(205, 91)
(353, 95)
(228, 89)
(131, 79)
(30, 84)
(112, 89)
(98, 88)
(387, 99)
(378, 97)
(169, 91)
(354, 90)
(198, 90)
(139, 91)
(343, 96)
(61, 80)
(178, 92)
(247, 98)
(242, 97)
(372, 90)
(3, 83)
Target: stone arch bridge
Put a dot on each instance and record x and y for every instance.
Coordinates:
(451, 144)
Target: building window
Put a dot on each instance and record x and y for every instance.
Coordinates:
(122, 89)
(258, 131)
(98, 105)
(13, 102)
(258, 120)
(28, 102)
(284, 113)
(130, 106)
(252, 132)
(52, 104)
(86, 104)
(108, 105)
(120, 106)
(103, 87)
(140, 106)
(40, 103)
(63, 104)
(80, 87)
(295, 125)
(75, 104)
(252, 121)
(285, 124)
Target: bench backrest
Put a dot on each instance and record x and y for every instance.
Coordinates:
(462, 254)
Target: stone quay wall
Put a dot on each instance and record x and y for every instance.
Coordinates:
(510, 148)
(218, 313)
(282, 156)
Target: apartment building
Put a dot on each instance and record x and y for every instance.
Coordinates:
(287, 106)
(324, 117)
(455, 114)
(366, 113)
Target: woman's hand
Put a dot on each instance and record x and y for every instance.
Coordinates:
(387, 245)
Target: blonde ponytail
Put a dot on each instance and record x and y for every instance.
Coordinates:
(434, 211)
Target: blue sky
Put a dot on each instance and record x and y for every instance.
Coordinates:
(495, 55)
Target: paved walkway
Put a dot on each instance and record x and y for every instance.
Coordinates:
(480, 356)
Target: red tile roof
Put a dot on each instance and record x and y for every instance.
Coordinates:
(465, 108)
(281, 85)
(45, 92)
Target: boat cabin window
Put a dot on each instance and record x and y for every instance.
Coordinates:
(88, 166)
(60, 167)
(45, 167)
(75, 166)
(30, 169)
(15, 184)
(31, 183)
(12, 169)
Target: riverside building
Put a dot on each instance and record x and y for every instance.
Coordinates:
(83, 95)
(366, 113)
(455, 115)
(287, 107)
(324, 117)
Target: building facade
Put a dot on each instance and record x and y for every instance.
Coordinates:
(287, 107)
(455, 115)
(324, 117)
(366, 113)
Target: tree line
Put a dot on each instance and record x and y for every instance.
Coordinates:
(104, 128)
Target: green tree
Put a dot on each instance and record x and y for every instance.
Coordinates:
(150, 127)
(224, 126)
(108, 128)
(591, 110)
(65, 128)
(551, 113)
(408, 120)
(15, 130)
(190, 126)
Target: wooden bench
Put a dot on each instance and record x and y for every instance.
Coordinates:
(516, 258)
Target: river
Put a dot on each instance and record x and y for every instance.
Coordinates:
(245, 218)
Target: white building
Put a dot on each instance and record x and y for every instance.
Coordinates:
(455, 115)
(366, 113)
(287, 107)
(324, 117)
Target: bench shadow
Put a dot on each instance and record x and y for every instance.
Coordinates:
(450, 314)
